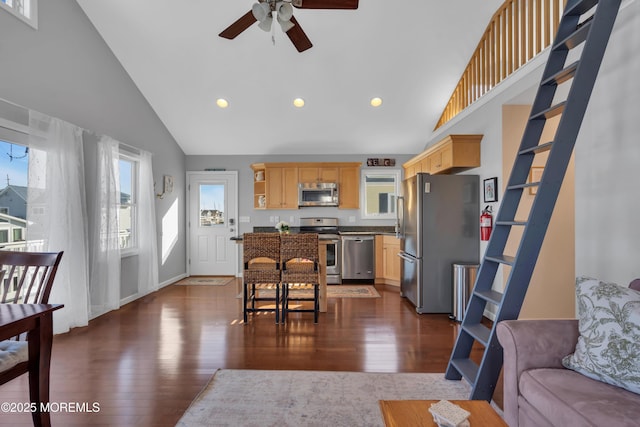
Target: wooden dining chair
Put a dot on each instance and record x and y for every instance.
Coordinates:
(25, 278)
(300, 273)
(261, 274)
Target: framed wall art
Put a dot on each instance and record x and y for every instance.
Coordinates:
(490, 186)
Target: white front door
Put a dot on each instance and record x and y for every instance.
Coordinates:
(212, 221)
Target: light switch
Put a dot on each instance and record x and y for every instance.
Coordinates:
(245, 219)
(352, 218)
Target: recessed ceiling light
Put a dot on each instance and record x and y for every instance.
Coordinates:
(222, 103)
(298, 102)
(376, 102)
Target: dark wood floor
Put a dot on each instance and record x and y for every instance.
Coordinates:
(145, 363)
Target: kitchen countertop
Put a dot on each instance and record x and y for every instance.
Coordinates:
(239, 238)
(374, 229)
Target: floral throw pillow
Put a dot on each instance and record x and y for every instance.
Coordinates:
(608, 347)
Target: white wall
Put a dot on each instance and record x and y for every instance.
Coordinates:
(607, 154)
(608, 162)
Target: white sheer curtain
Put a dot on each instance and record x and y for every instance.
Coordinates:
(104, 289)
(57, 213)
(147, 236)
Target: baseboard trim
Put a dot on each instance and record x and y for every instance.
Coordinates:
(172, 280)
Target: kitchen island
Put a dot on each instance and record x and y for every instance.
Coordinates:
(322, 267)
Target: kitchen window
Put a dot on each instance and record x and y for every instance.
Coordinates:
(128, 207)
(379, 193)
(25, 10)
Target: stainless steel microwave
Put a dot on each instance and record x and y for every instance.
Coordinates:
(318, 194)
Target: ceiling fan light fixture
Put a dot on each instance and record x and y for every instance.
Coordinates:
(298, 102)
(376, 102)
(260, 11)
(285, 11)
(222, 103)
(265, 24)
(285, 25)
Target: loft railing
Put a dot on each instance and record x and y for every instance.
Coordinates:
(518, 31)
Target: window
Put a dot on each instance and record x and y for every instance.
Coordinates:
(14, 161)
(380, 189)
(127, 208)
(26, 10)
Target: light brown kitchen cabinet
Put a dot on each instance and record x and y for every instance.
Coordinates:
(387, 260)
(349, 187)
(282, 187)
(279, 189)
(318, 174)
(450, 155)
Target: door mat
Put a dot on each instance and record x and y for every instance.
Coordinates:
(333, 291)
(206, 280)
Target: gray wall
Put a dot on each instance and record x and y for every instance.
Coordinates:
(65, 70)
(263, 217)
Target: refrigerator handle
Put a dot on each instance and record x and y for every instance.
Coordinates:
(406, 257)
(399, 217)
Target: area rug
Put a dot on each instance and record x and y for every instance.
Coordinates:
(310, 398)
(206, 280)
(333, 291)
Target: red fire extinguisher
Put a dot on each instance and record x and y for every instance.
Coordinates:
(486, 224)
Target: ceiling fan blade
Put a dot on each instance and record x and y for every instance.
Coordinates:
(325, 4)
(233, 30)
(298, 37)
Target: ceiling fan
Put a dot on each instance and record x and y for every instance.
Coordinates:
(262, 12)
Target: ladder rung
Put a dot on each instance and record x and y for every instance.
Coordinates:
(479, 332)
(467, 368)
(562, 75)
(502, 259)
(550, 112)
(510, 223)
(537, 149)
(490, 296)
(576, 38)
(580, 7)
(521, 186)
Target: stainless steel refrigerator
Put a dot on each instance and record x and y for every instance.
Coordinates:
(438, 224)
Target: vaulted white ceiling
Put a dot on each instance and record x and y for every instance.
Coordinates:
(410, 53)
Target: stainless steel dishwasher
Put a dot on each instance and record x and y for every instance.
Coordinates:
(358, 257)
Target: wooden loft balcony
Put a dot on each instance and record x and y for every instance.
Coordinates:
(517, 32)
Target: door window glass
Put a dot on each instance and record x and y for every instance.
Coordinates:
(212, 198)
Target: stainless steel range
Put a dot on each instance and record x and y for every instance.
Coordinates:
(328, 229)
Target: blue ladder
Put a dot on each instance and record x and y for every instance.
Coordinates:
(586, 23)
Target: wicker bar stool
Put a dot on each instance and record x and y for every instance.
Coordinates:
(261, 257)
(300, 272)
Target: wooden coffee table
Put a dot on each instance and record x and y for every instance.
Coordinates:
(407, 413)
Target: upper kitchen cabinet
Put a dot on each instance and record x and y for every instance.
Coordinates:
(349, 187)
(318, 174)
(282, 187)
(453, 153)
(275, 185)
